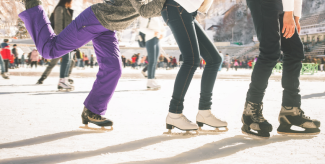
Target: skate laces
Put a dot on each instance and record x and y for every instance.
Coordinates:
(302, 114)
(184, 118)
(97, 117)
(257, 112)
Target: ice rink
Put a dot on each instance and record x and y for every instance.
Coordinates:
(40, 124)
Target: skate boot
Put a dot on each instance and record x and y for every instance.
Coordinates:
(156, 83)
(295, 116)
(144, 74)
(180, 122)
(70, 81)
(89, 117)
(40, 81)
(206, 117)
(151, 85)
(63, 86)
(253, 120)
(5, 76)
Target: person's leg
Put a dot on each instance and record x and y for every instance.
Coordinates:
(182, 26)
(293, 55)
(211, 55)
(291, 113)
(83, 29)
(49, 68)
(2, 65)
(6, 65)
(150, 46)
(71, 67)
(157, 52)
(64, 67)
(110, 70)
(264, 13)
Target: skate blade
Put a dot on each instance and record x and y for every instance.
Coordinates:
(254, 136)
(153, 89)
(187, 133)
(298, 134)
(217, 130)
(102, 129)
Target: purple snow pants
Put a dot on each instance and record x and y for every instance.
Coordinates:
(83, 29)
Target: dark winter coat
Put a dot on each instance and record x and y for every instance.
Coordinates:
(62, 18)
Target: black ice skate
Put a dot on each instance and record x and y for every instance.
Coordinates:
(40, 81)
(295, 116)
(253, 120)
(70, 81)
(89, 117)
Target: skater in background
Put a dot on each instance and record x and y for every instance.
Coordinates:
(124, 61)
(154, 31)
(280, 16)
(34, 57)
(3, 52)
(14, 51)
(180, 15)
(60, 19)
(227, 61)
(22, 60)
(97, 23)
(91, 61)
(6, 55)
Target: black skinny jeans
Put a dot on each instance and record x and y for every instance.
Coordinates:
(268, 21)
(192, 42)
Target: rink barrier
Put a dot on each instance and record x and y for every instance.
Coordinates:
(307, 68)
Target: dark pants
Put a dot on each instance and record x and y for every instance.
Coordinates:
(6, 61)
(268, 21)
(153, 50)
(16, 62)
(64, 67)
(71, 67)
(33, 63)
(192, 42)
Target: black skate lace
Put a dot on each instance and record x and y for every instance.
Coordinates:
(97, 117)
(257, 112)
(302, 114)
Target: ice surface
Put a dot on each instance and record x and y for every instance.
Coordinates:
(40, 125)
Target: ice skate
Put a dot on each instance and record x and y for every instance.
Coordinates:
(64, 86)
(151, 85)
(206, 117)
(294, 116)
(253, 120)
(5, 76)
(180, 122)
(70, 81)
(89, 117)
(144, 74)
(156, 83)
(40, 81)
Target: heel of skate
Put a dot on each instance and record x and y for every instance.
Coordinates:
(200, 124)
(187, 133)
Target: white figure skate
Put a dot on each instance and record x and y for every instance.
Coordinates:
(180, 122)
(206, 117)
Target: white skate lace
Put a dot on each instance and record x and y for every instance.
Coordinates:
(184, 118)
(216, 117)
